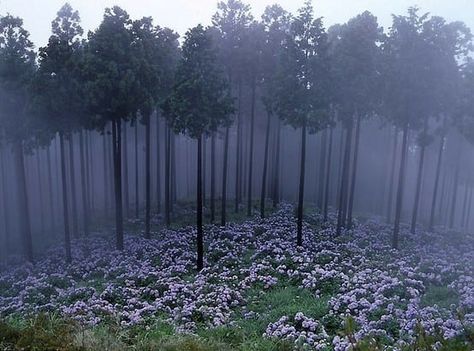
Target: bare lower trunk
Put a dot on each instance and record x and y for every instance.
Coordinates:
(85, 207)
(167, 178)
(435, 190)
(117, 153)
(137, 194)
(250, 174)
(265, 167)
(328, 175)
(342, 206)
(200, 239)
(224, 177)
(213, 178)
(299, 238)
(67, 236)
(418, 190)
(147, 178)
(401, 184)
(392, 178)
(125, 171)
(276, 171)
(354, 174)
(452, 212)
(72, 171)
(158, 165)
(322, 169)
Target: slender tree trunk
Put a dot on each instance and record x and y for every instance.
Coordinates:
(204, 168)
(252, 127)
(67, 236)
(299, 239)
(213, 178)
(464, 204)
(276, 171)
(137, 194)
(452, 212)
(40, 188)
(200, 240)
(265, 167)
(173, 171)
(418, 189)
(85, 209)
(50, 191)
(147, 178)
(392, 178)
(468, 213)
(6, 206)
(238, 166)
(75, 221)
(125, 171)
(435, 190)
(401, 184)
(341, 214)
(322, 170)
(167, 178)
(90, 173)
(117, 152)
(158, 164)
(340, 167)
(224, 177)
(328, 176)
(354, 173)
(106, 174)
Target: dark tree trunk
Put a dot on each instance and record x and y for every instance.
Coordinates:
(452, 212)
(167, 177)
(322, 169)
(90, 173)
(72, 171)
(464, 204)
(67, 236)
(147, 178)
(299, 238)
(137, 194)
(85, 207)
(40, 188)
(354, 173)
(6, 212)
(200, 240)
(401, 184)
(158, 164)
(418, 189)
(117, 152)
(341, 214)
(224, 177)
(106, 174)
(276, 171)
(238, 165)
(50, 191)
(435, 190)
(340, 166)
(213, 178)
(328, 176)
(468, 213)
(204, 159)
(392, 178)
(125, 172)
(252, 127)
(265, 166)
(173, 171)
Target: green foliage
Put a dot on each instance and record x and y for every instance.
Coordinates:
(200, 101)
(441, 296)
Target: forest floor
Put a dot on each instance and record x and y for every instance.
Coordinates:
(259, 291)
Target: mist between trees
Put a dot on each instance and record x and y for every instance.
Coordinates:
(126, 123)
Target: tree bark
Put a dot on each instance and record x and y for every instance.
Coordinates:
(40, 188)
(250, 174)
(213, 178)
(125, 172)
(106, 173)
(67, 236)
(464, 204)
(75, 221)
(158, 164)
(276, 171)
(137, 194)
(328, 176)
(418, 189)
(238, 166)
(167, 177)
(322, 170)
(299, 238)
(6, 206)
(435, 190)
(468, 213)
(401, 183)
(392, 178)
(265, 167)
(452, 212)
(354, 173)
(85, 207)
(341, 214)
(200, 240)
(147, 177)
(224, 177)
(117, 153)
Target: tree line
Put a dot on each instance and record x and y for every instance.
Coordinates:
(416, 80)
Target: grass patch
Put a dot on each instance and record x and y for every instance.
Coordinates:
(441, 296)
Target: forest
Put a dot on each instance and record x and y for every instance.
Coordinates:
(263, 183)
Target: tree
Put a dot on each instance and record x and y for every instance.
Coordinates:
(199, 104)
(111, 86)
(156, 51)
(302, 85)
(17, 67)
(58, 99)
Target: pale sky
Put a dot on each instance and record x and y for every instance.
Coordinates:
(180, 15)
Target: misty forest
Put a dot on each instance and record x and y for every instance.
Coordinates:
(263, 183)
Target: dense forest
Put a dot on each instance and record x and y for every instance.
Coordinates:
(259, 184)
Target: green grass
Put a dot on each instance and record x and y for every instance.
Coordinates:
(441, 296)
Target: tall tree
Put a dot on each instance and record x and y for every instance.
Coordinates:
(302, 86)
(199, 104)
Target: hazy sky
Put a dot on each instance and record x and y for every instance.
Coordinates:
(183, 14)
